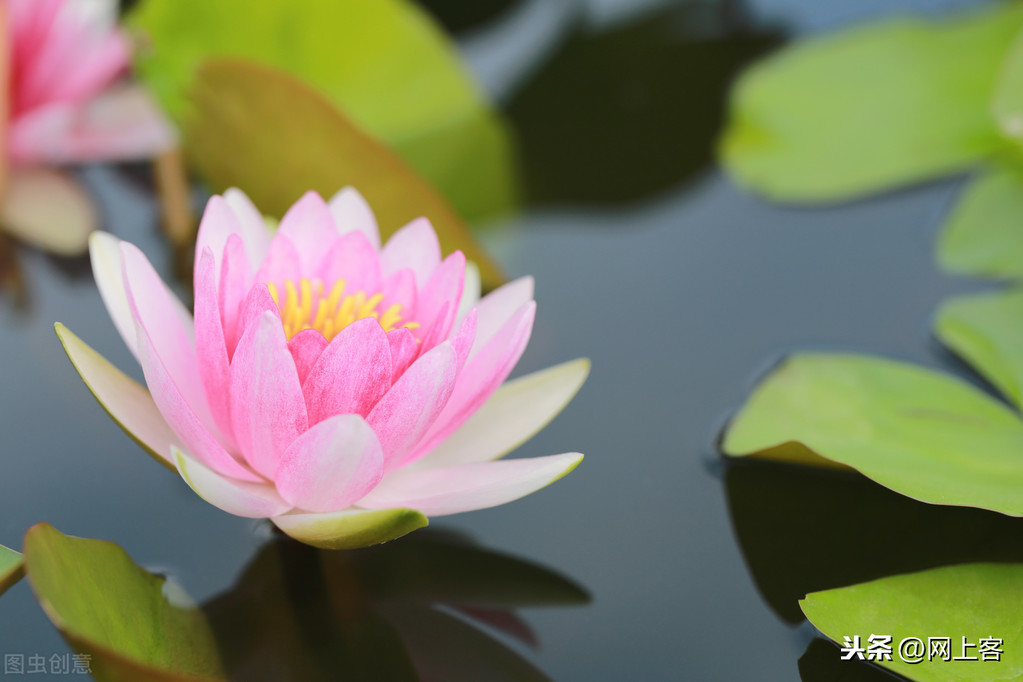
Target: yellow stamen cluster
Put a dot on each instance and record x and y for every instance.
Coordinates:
(305, 306)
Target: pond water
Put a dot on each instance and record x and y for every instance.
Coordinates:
(681, 288)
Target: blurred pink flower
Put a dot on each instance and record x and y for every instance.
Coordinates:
(64, 64)
(344, 389)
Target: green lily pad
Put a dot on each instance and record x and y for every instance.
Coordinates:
(987, 331)
(1007, 102)
(133, 624)
(983, 235)
(845, 115)
(261, 130)
(11, 568)
(975, 601)
(384, 63)
(920, 432)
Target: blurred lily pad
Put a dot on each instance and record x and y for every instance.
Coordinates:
(384, 63)
(458, 15)
(261, 130)
(986, 330)
(983, 235)
(918, 431)
(11, 568)
(653, 91)
(805, 529)
(135, 625)
(382, 613)
(841, 116)
(970, 601)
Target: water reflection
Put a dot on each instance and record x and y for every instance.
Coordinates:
(802, 530)
(431, 607)
(822, 663)
(624, 113)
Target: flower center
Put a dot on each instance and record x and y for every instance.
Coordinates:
(306, 306)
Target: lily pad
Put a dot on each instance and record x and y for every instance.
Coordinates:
(971, 601)
(918, 431)
(261, 130)
(983, 235)
(987, 331)
(385, 63)
(134, 625)
(845, 115)
(11, 568)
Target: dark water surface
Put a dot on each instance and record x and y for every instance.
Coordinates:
(680, 288)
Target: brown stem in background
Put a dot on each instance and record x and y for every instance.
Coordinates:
(177, 217)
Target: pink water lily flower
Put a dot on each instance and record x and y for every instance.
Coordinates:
(343, 389)
(66, 103)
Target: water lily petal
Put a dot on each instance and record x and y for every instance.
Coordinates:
(107, 270)
(518, 409)
(353, 259)
(282, 262)
(124, 399)
(451, 490)
(352, 212)
(331, 465)
(218, 223)
(404, 349)
(400, 288)
(168, 325)
(306, 347)
(181, 418)
(351, 374)
(253, 230)
(211, 349)
(497, 307)
(121, 124)
(414, 246)
(434, 307)
(235, 283)
(48, 209)
(257, 303)
(350, 529)
(408, 409)
(267, 407)
(251, 500)
(481, 376)
(310, 227)
(471, 290)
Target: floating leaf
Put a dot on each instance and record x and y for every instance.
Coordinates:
(987, 331)
(134, 624)
(384, 63)
(261, 130)
(984, 232)
(974, 601)
(917, 431)
(1007, 102)
(11, 569)
(785, 522)
(841, 116)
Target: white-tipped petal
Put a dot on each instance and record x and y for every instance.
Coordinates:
(471, 289)
(241, 498)
(451, 490)
(105, 254)
(352, 212)
(129, 403)
(510, 417)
